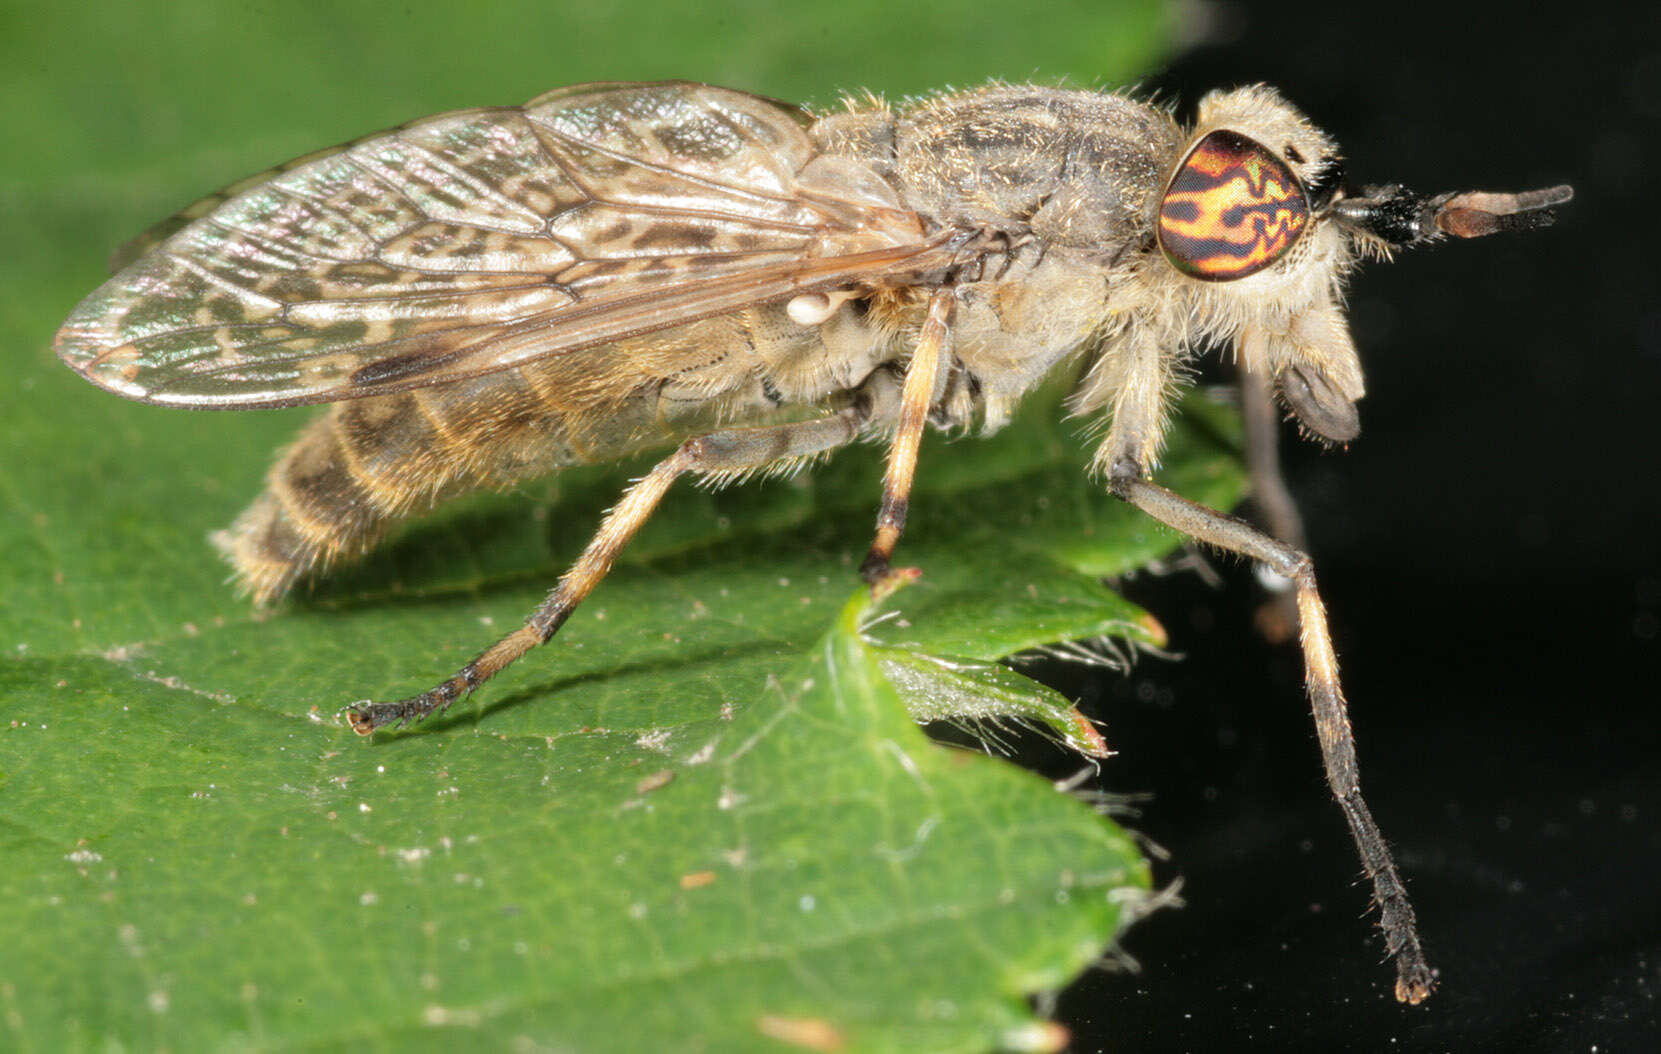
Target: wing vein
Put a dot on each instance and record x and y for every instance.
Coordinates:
(483, 190)
(231, 289)
(684, 177)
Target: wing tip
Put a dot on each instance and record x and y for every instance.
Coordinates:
(113, 370)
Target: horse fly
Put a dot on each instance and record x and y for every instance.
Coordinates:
(495, 293)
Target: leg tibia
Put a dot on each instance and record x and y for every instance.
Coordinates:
(918, 394)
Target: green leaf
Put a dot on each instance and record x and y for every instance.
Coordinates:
(233, 876)
(234, 866)
(702, 818)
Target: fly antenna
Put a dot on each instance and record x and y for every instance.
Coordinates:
(1397, 216)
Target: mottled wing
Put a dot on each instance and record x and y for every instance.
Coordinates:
(130, 251)
(479, 240)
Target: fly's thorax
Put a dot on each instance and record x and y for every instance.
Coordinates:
(1011, 331)
(1072, 168)
(1071, 179)
(806, 363)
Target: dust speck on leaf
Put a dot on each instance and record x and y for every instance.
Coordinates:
(442, 1015)
(656, 739)
(656, 781)
(1040, 1037)
(808, 1033)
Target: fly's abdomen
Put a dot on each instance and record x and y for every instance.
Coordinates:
(368, 463)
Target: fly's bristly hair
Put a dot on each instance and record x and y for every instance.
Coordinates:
(493, 294)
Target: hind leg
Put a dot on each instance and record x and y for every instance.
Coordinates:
(716, 454)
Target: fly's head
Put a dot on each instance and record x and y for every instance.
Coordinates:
(1258, 228)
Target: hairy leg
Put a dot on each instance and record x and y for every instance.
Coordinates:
(921, 380)
(1414, 978)
(1124, 455)
(718, 453)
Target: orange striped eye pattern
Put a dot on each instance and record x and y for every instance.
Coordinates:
(1232, 209)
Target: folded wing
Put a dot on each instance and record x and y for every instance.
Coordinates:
(480, 240)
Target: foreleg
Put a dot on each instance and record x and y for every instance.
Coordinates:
(1414, 979)
(1124, 454)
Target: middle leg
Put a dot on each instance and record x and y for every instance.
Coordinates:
(921, 380)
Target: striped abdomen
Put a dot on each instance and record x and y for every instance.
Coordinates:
(368, 463)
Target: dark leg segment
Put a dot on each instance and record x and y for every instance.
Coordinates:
(719, 452)
(1269, 494)
(915, 400)
(1414, 979)
(1273, 503)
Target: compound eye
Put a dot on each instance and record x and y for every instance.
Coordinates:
(1232, 209)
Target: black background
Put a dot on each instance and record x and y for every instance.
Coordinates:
(1488, 550)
